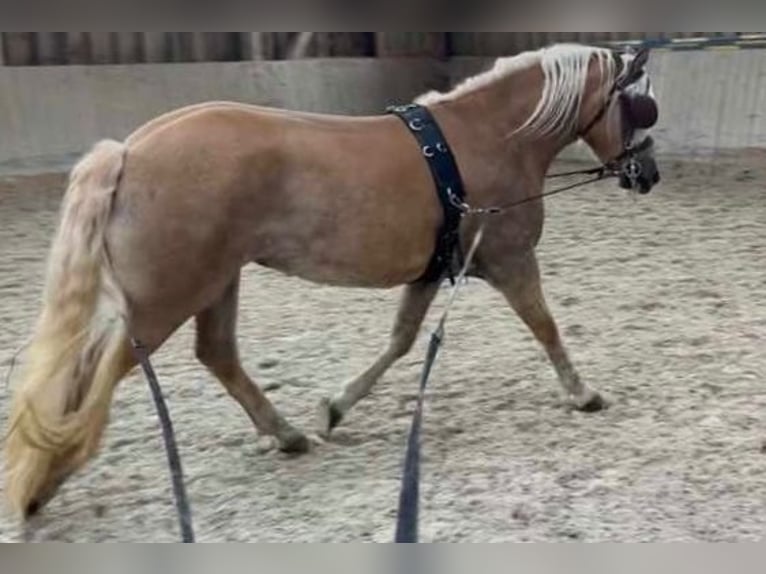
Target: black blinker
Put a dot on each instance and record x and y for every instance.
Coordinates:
(641, 111)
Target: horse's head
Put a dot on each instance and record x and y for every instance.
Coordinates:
(616, 120)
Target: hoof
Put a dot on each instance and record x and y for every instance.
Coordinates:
(596, 403)
(294, 442)
(33, 509)
(36, 505)
(330, 416)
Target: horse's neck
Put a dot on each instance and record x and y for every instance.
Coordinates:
(484, 120)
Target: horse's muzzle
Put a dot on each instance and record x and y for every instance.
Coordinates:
(639, 171)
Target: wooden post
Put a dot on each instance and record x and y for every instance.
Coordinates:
(100, 47)
(77, 48)
(198, 47)
(19, 49)
(323, 44)
(175, 44)
(127, 47)
(254, 45)
(47, 52)
(299, 45)
(154, 46)
(351, 44)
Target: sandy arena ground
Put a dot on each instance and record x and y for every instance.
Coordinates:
(663, 305)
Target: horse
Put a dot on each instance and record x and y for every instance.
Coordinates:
(154, 230)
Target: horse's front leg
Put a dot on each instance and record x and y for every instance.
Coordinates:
(416, 300)
(518, 279)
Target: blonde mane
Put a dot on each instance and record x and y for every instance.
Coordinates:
(565, 68)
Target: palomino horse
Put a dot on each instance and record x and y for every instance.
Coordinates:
(154, 230)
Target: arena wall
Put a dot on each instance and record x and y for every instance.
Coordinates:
(49, 115)
(711, 101)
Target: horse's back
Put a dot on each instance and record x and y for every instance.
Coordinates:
(204, 110)
(209, 187)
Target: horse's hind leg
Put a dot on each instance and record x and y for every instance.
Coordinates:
(519, 281)
(217, 350)
(414, 305)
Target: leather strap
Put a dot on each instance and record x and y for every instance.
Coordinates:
(448, 182)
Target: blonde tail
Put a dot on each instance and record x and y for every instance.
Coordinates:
(79, 349)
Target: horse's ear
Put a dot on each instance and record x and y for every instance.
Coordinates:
(635, 67)
(642, 57)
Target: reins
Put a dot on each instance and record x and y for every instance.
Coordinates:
(409, 496)
(600, 173)
(171, 448)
